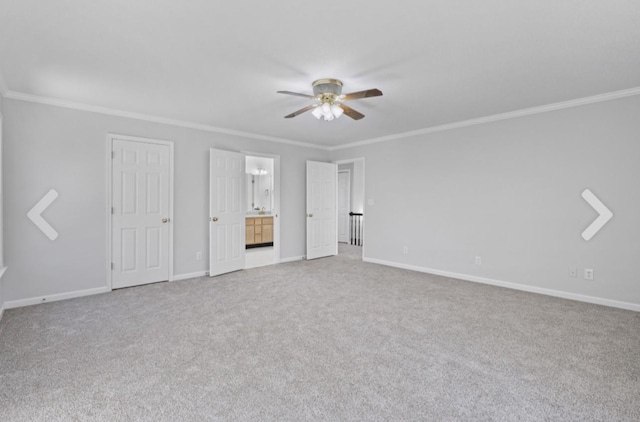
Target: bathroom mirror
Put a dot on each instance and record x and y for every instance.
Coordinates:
(259, 184)
(260, 188)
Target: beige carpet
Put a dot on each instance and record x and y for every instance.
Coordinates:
(331, 339)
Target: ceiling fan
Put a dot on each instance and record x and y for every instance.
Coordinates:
(328, 93)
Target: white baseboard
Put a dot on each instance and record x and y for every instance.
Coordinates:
(291, 259)
(260, 265)
(1, 311)
(54, 298)
(190, 275)
(510, 285)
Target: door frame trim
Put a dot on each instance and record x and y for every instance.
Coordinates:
(276, 186)
(109, 203)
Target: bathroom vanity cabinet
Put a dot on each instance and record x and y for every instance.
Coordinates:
(259, 231)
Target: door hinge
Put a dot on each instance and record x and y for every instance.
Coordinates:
(113, 155)
(112, 265)
(113, 210)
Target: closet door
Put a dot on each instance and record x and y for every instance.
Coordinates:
(140, 213)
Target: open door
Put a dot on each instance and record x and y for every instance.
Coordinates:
(227, 207)
(322, 212)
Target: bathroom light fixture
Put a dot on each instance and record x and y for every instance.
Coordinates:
(260, 172)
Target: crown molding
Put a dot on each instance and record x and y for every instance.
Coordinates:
(155, 119)
(497, 117)
(207, 128)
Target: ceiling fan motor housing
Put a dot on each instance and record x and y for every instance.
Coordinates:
(327, 88)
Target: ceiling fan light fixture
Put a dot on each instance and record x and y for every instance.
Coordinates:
(327, 111)
(337, 111)
(317, 112)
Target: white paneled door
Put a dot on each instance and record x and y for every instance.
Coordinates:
(140, 213)
(227, 204)
(344, 203)
(322, 213)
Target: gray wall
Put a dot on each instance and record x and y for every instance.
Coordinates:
(509, 191)
(1, 208)
(52, 147)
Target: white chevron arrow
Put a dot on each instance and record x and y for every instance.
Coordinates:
(603, 218)
(35, 214)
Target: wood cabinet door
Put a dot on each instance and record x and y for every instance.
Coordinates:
(249, 237)
(267, 232)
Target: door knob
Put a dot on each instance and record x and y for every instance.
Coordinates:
(214, 219)
(309, 215)
(164, 220)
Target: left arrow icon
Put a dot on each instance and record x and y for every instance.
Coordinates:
(35, 214)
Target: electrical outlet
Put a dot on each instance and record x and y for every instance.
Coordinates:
(573, 272)
(588, 274)
(405, 250)
(478, 260)
(198, 256)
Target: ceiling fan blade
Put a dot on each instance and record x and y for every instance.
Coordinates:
(362, 94)
(302, 110)
(297, 94)
(355, 115)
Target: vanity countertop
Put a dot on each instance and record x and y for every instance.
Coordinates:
(256, 215)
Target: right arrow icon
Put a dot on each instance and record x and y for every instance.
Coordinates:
(603, 218)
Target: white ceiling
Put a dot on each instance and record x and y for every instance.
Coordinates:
(220, 63)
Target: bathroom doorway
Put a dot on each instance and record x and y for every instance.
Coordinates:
(351, 221)
(263, 204)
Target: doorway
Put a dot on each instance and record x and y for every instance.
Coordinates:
(248, 188)
(354, 243)
(262, 240)
(140, 211)
(344, 204)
